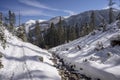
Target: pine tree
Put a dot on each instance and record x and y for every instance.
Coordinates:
(65, 34)
(104, 25)
(19, 18)
(54, 35)
(77, 30)
(1, 18)
(81, 30)
(11, 21)
(72, 33)
(86, 29)
(92, 21)
(38, 35)
(60, 32)
(68, 33)
(110, 16)
(51, 36)
(10, 18)
(111, 3)
(29, 38)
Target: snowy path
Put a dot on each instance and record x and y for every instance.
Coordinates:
(21, 62)
(14, 65)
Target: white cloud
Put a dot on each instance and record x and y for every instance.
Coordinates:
(35, 3)
(31, 13)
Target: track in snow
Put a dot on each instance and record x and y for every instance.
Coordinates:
(16, 63)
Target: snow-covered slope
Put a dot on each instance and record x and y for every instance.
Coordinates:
(55, 20)
(21, 61)
(84, 17)
(102, 64)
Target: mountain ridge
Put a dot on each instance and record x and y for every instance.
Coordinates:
(80, 18)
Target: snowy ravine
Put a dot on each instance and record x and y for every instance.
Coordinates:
(21, 61)
(103, 64)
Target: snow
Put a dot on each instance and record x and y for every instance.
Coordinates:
(103, 64)
(21, 61)
(31, 23)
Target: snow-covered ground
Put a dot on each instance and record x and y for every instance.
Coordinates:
(103, 64)
(21, 61)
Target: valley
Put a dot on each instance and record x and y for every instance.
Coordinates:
(60, 40)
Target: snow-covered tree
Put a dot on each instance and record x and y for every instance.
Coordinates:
(2, 37)
(21, 33)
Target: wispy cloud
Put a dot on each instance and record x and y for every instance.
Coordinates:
(32, 12)
(37, 4)
(26, 11)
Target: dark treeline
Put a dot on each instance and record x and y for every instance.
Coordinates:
(58, 34)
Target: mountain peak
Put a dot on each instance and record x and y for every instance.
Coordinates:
(30, 21)
(33, 21)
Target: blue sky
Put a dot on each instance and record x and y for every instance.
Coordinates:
(46, 9)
